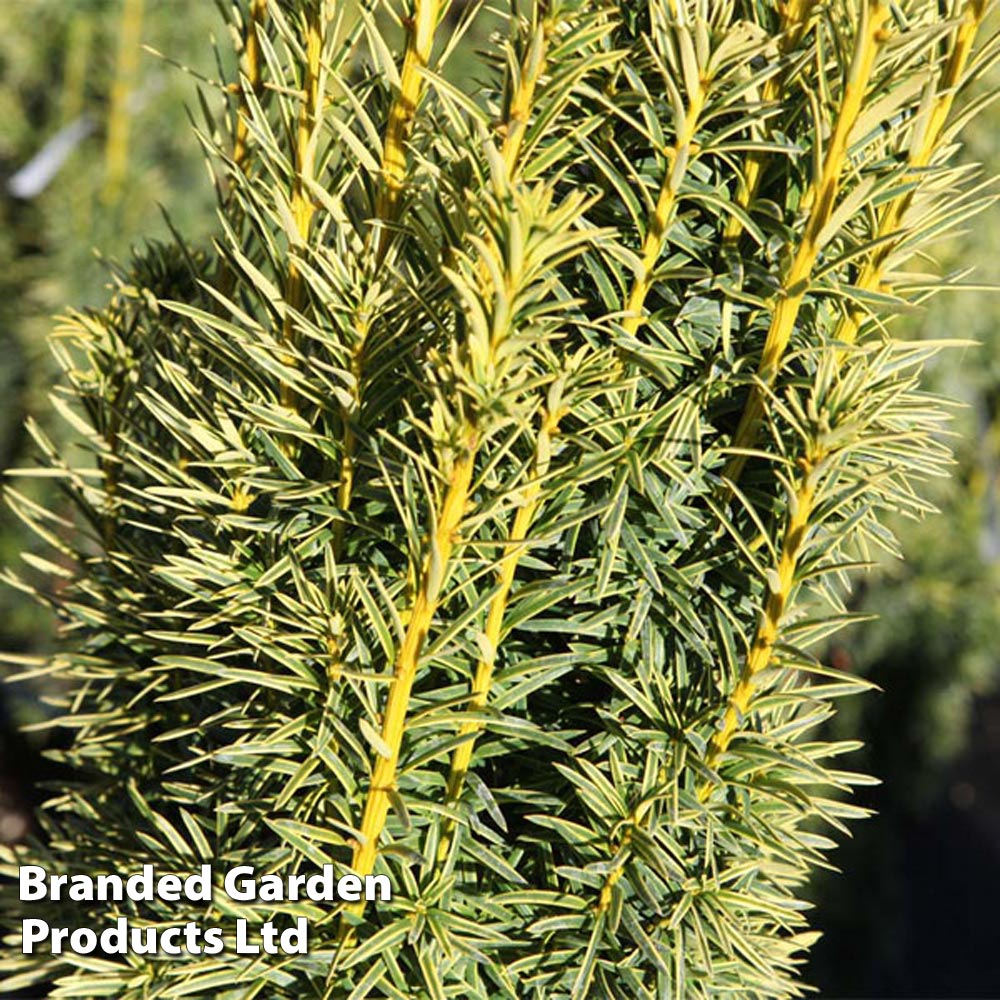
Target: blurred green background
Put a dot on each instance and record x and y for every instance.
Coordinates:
(64, 73)
(95, 136)
(912, 914)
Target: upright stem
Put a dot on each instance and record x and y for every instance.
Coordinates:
(761, 650)
(795, 16)
(419, 42)
(759, 656)
(519, 112)
(894, 211)
(116, 147)
(663, 213)
(251, 50)
(483, 679)
(422, 612)
(383, 782)
(75, 66)
(652, 247)
(420, 30)
(653, 242)
(515, 127)
(822, 197)
(345, 490)
(79, 46)
(225, 278)
(303, 207)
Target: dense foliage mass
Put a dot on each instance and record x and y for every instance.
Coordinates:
(470, 511)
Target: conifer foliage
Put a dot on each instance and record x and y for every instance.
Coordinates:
(475, 509)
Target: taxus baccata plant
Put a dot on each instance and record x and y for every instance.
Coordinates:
(475, 510)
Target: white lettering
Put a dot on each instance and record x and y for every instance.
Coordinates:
(32, 931)
(295, 940)
(271, 890)
(382, 883)
(168, 888)
(83, 941)
(58, 935)
(295, 882)
(31, 882)
(110, 887)
(349, 888)
(198, 887)
(167, 939)
(243, 947)
(320, 888)
(242, 891)
(215, 944)
(140, 887)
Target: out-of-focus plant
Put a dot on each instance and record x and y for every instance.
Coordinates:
(80, 70)
(73, 76)
(932, 649)
(473, 512)
(58, 72)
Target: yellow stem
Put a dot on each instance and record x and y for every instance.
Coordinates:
(822, 198)
(345, 492)
(303, 207)
(521, 104)
(514, 130)
(659, 223)
(483, 679)
(607, 890)
(636, 819)
(795, 16)
(116, 148)
(758, 657)
(116, 163)
(419, 42)
(762, 648)
(76, 66)
(79, 45)
(251, 46)
(652, 247)
(384, 776)
(893, 212)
